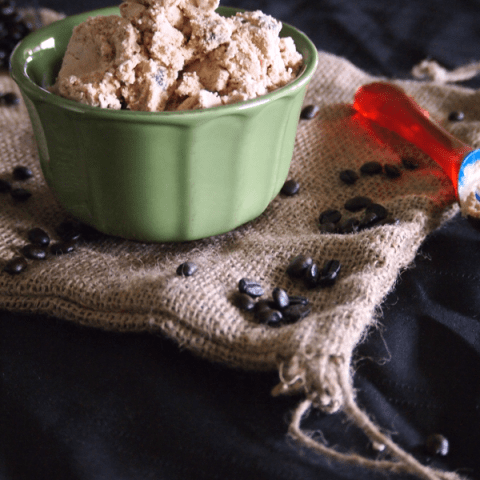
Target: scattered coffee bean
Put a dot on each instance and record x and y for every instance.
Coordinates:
(298, 300)
(243, 302)
(22, 173)
(5, 186)
(20, 194)
(88, 233)
(368, 220)
(269, 317)
(357, 203)
(371, 168)
(392, 171)
(9, 99)
(298, 266)
(263, 304)
(350, 225)
(330, 216)
(327, 227)
(456, 116)
(309, 112)
(187, 269)
(349, 176)
(250, 287)
(60, 248)
(379, 210)
(34, 252)
(294, 313)
(69, 230)
(38, 236)
(280, 298)
(409, 163)
(15, 266)
(437, 444)
(311, 276)
(290, 188)
(329, 273)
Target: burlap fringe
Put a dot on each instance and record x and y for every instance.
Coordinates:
(433, 71)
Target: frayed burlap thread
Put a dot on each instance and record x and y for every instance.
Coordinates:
(121, 285)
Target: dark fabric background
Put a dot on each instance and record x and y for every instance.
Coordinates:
(84, 404)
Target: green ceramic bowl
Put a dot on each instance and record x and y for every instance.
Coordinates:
(166, 176)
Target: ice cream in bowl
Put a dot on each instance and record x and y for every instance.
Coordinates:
(165, 120)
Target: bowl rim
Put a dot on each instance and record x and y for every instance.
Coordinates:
(19, 60)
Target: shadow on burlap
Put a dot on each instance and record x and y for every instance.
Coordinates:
(121, 285)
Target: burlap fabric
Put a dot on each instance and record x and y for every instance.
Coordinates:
(116, 284)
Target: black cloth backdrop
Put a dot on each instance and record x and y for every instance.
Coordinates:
(84, 404)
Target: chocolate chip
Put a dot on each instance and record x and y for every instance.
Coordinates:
(5, 186)
(280, 298)
(298, 266)
(311, 275)
(34, 252)
(187, 269)
(392, 171)
(38, 236)
(330, 216)
(22, 173)
(250, 287)
(456, 116)
(20, 194)
(437, 444)
(371, 168)
(409, 163)
(269, 317)
(349, 176)
(329, 273)
(309, 112)
(357, 203)
(290, 188)
(294, 313)
(243, 301)
(60, 248)
(298, 300)
(350, 225)
(327, 227)
(15, 266)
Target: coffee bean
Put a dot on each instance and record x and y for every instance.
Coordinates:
(69, 230)
(357, 203)
(34, 252)
(350, 225)
(298, 300)
(379, 210)
(437, 444)
(9, 99)
(88, 233)
(15, 266)
(311, 276)
(298, 266)
(38, 236)
(294, 313)
(368, 220)
(22, 173)
(309, 112)
(20, 194)
(330, 216)
(329, 273)
(280, 298)
(409, 163)
(243, 302)
(269, 317)
(60, 248)
(187, 269)
(456, 116)
(327, 228)
(250, 287)
(349, 176)
(264, 303)
(392, 171)
(371, 168)
(290, 188)
(5, 186)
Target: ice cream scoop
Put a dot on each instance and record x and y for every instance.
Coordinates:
(390, 107)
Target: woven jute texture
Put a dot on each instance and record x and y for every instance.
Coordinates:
(116, 284)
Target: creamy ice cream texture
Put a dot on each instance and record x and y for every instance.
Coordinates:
(175, 55)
